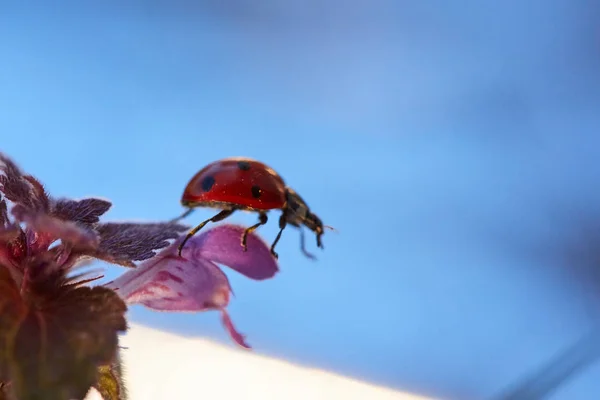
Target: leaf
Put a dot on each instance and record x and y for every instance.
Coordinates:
(38, 192)
(47, 229)
(55, 338)
(11, 308)
(110, 383)
(3, 212)
(123, 243)
(21, 189)
(86, 211)
(6, 392)
(13, 247)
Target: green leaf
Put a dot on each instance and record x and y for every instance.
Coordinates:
(110, 383)
(55, 336)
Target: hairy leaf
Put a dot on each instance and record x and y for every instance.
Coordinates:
(13, 245)
(3, 212)
(38, 192)
(11, 308)
(110, 383)
(47, 229)
(86, 211)
(123, 243)
(56, 336)
(20, 189)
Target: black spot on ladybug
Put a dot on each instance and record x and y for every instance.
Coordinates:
(207, 183)
(256, 191)
(243, 165)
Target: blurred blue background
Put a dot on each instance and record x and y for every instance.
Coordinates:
(453, 145)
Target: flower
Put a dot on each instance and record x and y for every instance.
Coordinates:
(194, 282)
(58, 335)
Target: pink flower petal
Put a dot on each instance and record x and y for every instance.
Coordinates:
(171, 283)
(222, 245)
(235, 335)
(193, 282)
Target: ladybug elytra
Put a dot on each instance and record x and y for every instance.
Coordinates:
(239, 183)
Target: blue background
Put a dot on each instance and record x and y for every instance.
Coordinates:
(453, 145)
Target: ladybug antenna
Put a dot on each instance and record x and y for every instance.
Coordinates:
(182, 216)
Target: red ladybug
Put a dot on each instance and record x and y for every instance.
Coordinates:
(239, 183)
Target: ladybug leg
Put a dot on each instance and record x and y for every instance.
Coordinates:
(262, 219)
(219, 217)
(182, 216)
(282, 225)
(319, 244)
(303, 247)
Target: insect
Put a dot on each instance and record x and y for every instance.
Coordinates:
(239, 183)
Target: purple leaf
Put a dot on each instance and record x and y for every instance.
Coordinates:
(38, 192)
(87, 211)
(20, 189)
(9, 233)
(46, 229)
(123, 243)
(222, 245)
(3, 212)
(13, 245)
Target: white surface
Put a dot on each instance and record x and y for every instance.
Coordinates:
(160, 365)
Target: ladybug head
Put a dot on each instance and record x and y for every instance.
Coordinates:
(314, 223)
(298, 213)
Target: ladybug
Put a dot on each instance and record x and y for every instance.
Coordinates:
(240, 183)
